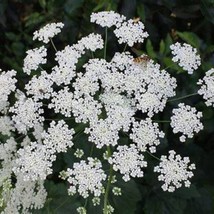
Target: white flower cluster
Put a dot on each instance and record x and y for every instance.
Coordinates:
(174, 171)
(62, 102)
(6, 125)
(48, 32)
(27, 113)
(107, 18)
(26, 195)
(102, 133)
(186, 56)
(67, 59)
(7, 85)
(128, 32)
(86, 177)
(146, 134)
(131, 32)
(59, 137)
(34, 58)
(207, 87)
(186, 119)
(128, 162)
(34, 162)
(40, 87)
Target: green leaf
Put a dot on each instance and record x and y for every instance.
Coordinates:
(33, 19)
(172, 65)
(12, 36)
(150, 49)
(168, 42)
(141, 12)
(187, 193)
(42, 3)
(154, 205)
(58, 200)
(162, 47)
(127, 202)
(164, 202)
(190, 38)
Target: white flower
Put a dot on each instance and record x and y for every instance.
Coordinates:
(186, 120)
(25, 196)
(107, 18)
(48, 32)
(7, 84)
(102, 133)
(65, 71)
(34, 58)
(81, 210)
(86, 109)
(96, 68)
(146, 134)
(92, 42)
(186, 56)
(85, 85)
(61, 102)
(150, 103)
(174, 171)
(79, 153)
(34, 162)
(40, 87)
(207, 87)
(122, 60)
(128, 162)
(119, 110)
(59, 137)
(27, 113)
(6, 125)
(86, 177)
(131, 32)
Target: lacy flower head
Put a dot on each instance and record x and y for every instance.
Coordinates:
(34, 58)
(174, 171)
(48, 32)
(107, 18)
(131, 32)
(146, 134)
(207, 87)
(86, 177)
(186, 119)
(128, 161)
(186, 56)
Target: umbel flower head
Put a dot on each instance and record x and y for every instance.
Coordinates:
(174, 171)
(48, 32)
(186, 56)
(207, 87)
(86, 177)
(186, 119)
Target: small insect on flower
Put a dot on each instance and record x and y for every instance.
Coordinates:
(136, 19)
(142, 60)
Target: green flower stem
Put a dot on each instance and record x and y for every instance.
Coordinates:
(161, 121)
(105, 45)
(153, 155)
(49, 119)
(86, 201)
(92, 54)
(125, 47)
(105, 210)
(180, 98)
(53, 45)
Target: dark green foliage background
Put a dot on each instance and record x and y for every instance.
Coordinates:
(167, 21)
